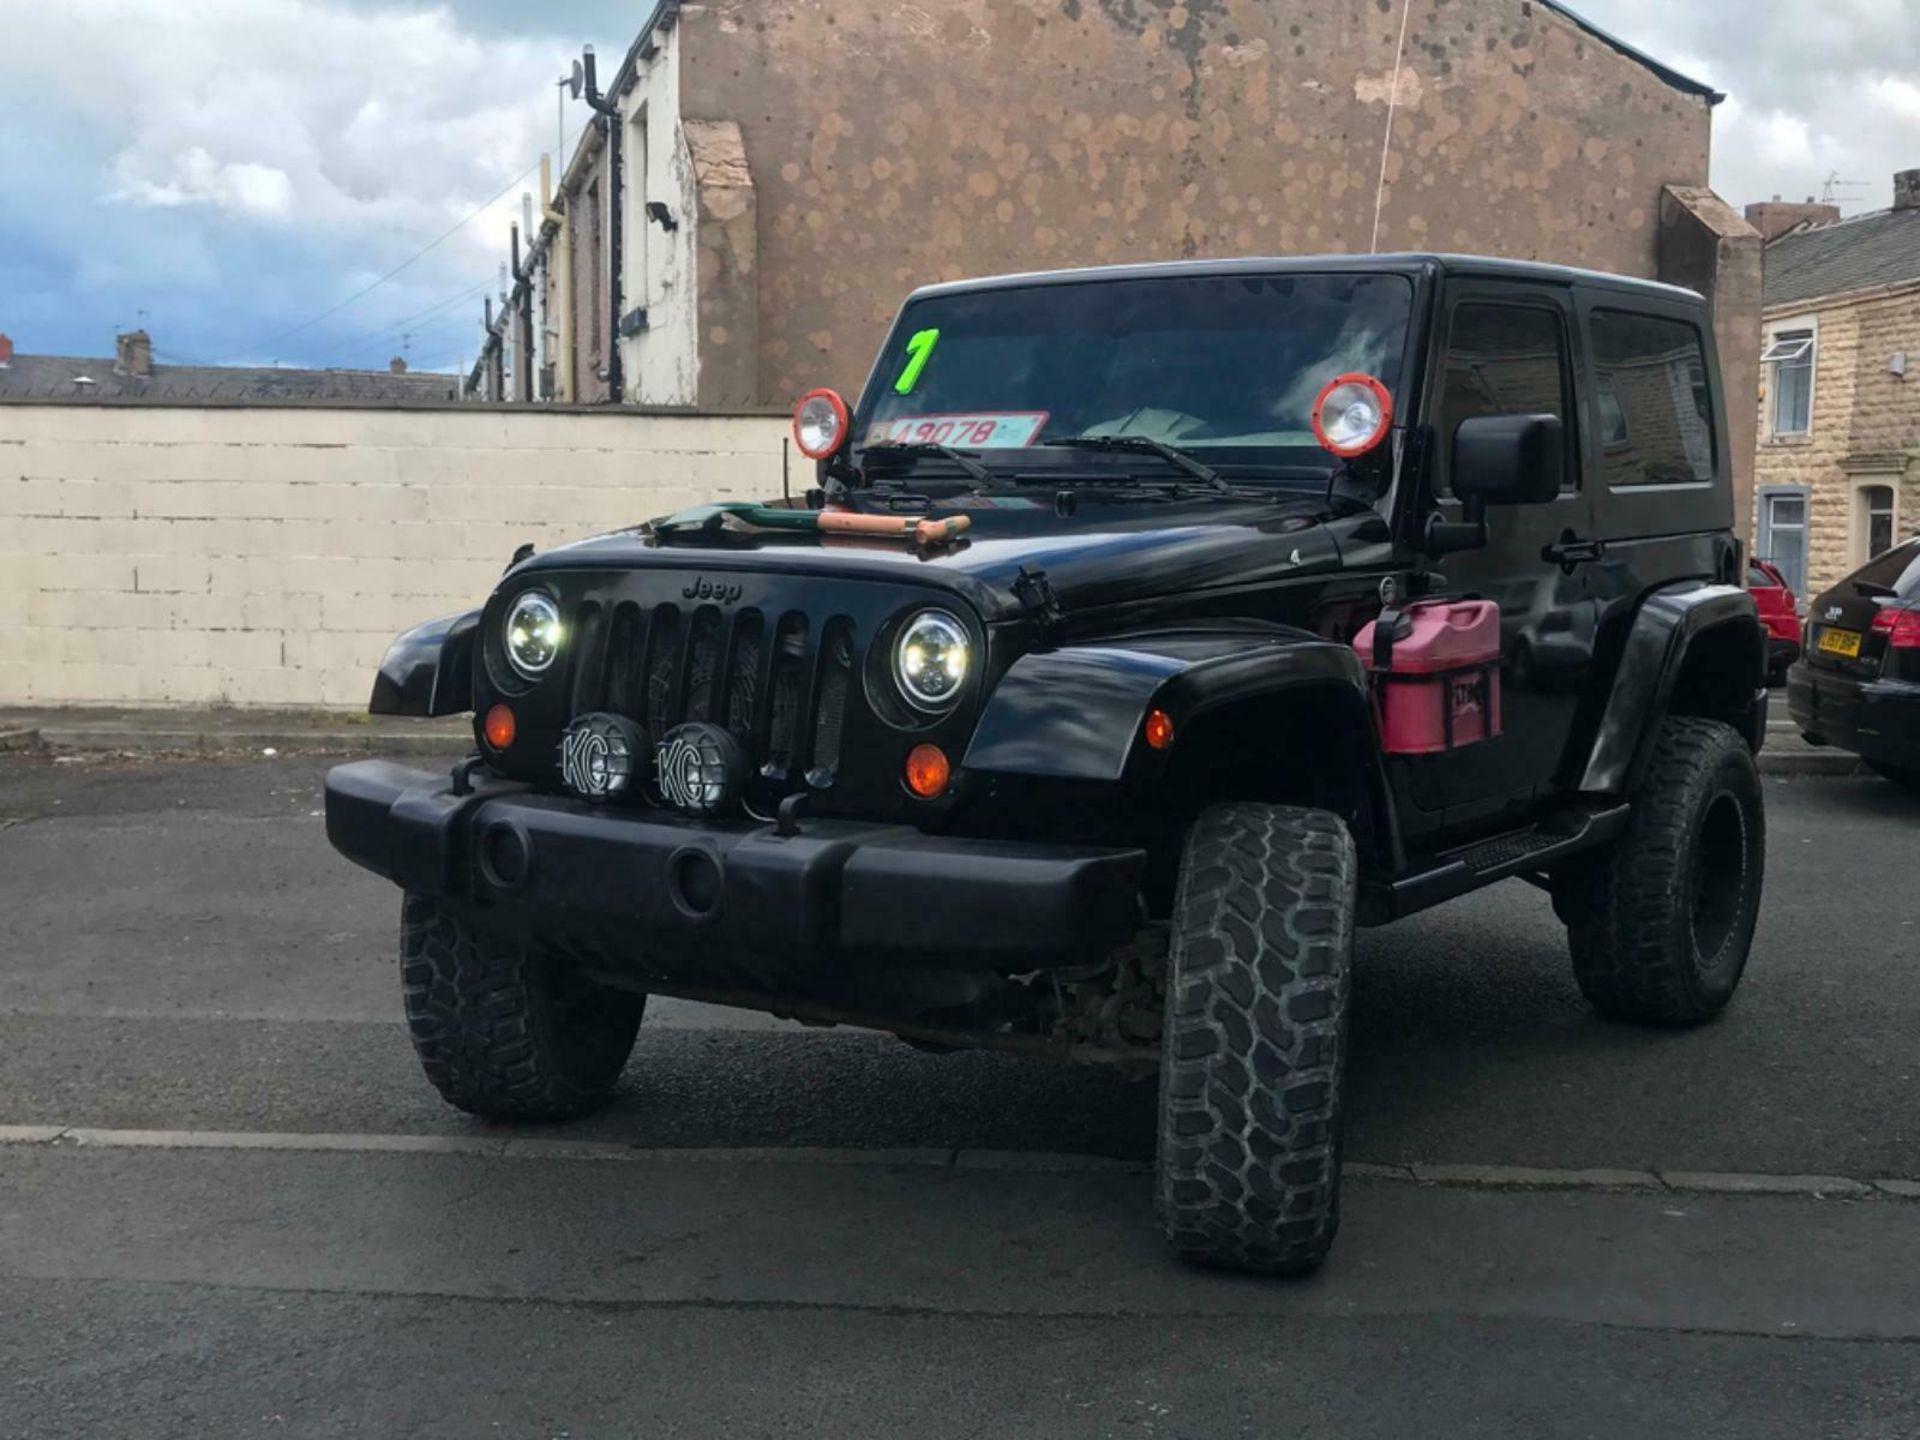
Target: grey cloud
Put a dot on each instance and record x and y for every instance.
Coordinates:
(1814, 89)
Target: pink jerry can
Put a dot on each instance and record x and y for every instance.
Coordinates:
(1436, 675)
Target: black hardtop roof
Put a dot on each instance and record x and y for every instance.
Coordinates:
(1417, 265)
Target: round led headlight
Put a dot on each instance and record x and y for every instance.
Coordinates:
(931, 659)
(532, 634)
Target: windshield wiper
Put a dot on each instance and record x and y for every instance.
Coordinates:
(969, 464)
(1142, 444)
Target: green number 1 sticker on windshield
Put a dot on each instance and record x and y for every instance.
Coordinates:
(919, 352)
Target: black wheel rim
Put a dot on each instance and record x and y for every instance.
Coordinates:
(1719, 881)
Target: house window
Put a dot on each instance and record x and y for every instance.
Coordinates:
(1875, 530)
(1783, 532)
(1790, 357)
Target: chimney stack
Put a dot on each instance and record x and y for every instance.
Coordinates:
(1774, 218)
(397, 365)
(6, 351)
(133, 354)
(1906, 190)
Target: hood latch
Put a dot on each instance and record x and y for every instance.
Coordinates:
(1035, 591)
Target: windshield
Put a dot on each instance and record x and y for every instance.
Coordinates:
(1224, 365)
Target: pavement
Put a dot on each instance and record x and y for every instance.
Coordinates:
(230, 1205)
(225, 730)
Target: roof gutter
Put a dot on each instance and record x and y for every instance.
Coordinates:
(1666, 72)
(644, 47)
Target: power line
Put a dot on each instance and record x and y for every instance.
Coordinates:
(398, 325)
(424, 250)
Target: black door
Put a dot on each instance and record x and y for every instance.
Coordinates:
(1509, 349)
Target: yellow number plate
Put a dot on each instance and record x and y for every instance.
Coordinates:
(1840, 642)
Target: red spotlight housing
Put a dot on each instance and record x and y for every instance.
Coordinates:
(1352, 416)
(821, 425)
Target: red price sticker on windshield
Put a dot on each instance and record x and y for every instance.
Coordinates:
(1012, 430)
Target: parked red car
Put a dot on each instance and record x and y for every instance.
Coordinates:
(1780, 613)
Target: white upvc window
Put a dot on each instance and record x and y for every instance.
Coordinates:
(1876, 518)
(1789, 360)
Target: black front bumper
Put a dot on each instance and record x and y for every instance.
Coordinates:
(705, 903)
(1876, 719)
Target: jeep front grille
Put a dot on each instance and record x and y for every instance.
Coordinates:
(779, 681)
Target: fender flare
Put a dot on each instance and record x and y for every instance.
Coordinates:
(428, 671)
(1078, 713)
(1670, 622)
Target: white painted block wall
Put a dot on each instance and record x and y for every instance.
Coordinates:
(187, 556)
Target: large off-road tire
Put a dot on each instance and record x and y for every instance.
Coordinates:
(1660, 927)
(503, 1032)
(1255, 1043)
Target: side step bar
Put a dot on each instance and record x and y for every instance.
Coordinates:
(1454, 873)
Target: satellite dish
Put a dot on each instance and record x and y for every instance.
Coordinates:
(577, 81)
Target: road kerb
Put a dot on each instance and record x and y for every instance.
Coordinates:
(1521, 1177)
(30, 1134)
(1712, 1182)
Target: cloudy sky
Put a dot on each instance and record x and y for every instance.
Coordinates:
(227, 171)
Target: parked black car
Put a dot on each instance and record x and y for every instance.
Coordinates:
(1858, 686)
(1293, 596)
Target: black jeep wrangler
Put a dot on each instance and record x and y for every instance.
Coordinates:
(1146, 630)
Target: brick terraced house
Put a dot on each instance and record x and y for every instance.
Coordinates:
(1838, 473)
(763, 181)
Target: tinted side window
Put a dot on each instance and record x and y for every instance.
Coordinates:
(1503, 360)
(1656, 406)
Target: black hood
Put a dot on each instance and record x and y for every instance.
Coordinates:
(1104, 554)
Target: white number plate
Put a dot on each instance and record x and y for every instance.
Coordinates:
(1013, 430)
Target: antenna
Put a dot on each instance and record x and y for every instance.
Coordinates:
(1830, 193)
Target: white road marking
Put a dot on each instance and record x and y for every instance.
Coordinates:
(534, 1147)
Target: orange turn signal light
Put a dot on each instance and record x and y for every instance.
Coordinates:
(500, 728)
(928, 772)
(1159, 730)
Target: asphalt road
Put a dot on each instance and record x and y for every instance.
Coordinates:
(180, 951)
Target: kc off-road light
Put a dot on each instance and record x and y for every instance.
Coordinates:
(820, 424)
(701, 769)
(604, 757)
(1353, 415)
(532, 634)
(931, 659)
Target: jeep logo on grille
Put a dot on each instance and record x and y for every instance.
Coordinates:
(705, 589)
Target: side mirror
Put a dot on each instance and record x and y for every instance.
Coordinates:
(1499, 460)
(1509, 459)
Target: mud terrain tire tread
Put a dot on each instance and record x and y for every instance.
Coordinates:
(1255, 1043)
(1633, 953)
(505, 1033)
